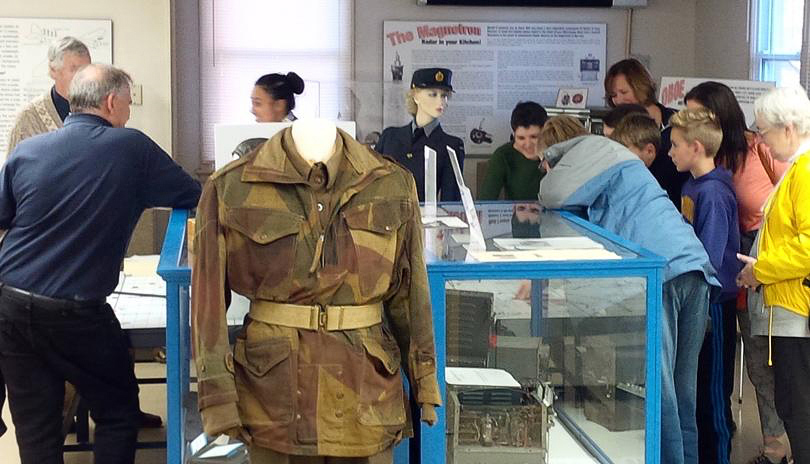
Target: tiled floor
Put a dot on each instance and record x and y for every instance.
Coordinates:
(746, 441)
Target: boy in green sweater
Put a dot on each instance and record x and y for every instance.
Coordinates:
(515, 168)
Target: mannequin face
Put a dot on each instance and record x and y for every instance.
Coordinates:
(527, 212)
(622, 92)
(430, 103)
(265, 107)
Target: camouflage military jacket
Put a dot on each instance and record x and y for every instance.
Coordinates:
(348, 232)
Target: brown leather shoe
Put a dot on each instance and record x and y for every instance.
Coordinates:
(150, 421)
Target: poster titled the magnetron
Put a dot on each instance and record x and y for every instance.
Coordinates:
(495, 66)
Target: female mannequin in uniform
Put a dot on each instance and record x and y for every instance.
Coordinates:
(426, 102)
(273, 97)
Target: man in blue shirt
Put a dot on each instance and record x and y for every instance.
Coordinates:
(70, 200)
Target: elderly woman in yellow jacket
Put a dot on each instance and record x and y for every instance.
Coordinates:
(782, 265)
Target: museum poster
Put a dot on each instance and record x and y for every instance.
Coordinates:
(24, 46)
(673, 89)
(495, 66)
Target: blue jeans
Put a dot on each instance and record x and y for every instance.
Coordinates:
(685, 311)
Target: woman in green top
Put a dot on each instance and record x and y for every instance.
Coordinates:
(515, 167)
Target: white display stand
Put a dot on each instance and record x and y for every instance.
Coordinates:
(228, 136)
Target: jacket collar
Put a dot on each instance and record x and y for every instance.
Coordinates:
(277, 160)
(429, 127)
(86, 118)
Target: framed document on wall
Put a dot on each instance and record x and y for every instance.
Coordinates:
(24, 58)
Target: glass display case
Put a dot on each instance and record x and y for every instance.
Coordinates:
(547, 340)
(547, 334)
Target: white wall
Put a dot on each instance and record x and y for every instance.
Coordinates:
(721, 39)
(141, 46)
(664, 31)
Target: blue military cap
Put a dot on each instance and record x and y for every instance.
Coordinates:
(432, 78)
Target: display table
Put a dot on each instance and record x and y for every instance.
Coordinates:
(568, 309)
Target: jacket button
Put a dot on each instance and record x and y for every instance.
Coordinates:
(298, 392)
(320, 206)
(298, 416)
(339, 414)
(388, 228)
(263, 236)
(339, 395)
(409, 155)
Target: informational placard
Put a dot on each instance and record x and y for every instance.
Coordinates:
(673, 89)
(495, 66)
(24, 46)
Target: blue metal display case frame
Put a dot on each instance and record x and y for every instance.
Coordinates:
(647, 265)
(177, 275)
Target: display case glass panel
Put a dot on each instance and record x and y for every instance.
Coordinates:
(543, 338)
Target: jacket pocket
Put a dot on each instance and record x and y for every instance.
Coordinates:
(381, 393)
(374, 230)
(262, 246)
(264, 378)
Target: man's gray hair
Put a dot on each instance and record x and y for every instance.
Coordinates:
(67, 44)
(93, 83)
(785, 106)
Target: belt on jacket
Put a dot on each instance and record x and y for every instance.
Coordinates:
(45, 302)
(315, 317)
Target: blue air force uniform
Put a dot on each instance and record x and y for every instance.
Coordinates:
(406, 144)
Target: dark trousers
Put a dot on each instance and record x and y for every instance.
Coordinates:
(791, 369)
(40, 349)
(2, 402)
(715, 384)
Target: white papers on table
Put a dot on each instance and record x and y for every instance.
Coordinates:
(221, 451)
(542, 255)
(479, 377)
(141, 265)
(461, 237)
(450, 221)
(558, 243)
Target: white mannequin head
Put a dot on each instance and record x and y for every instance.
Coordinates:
(314, 139)
(427, 104)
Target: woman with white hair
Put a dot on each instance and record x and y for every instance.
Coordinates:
(782, 263)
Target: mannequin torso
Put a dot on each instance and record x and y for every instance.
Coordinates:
(406, 145)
